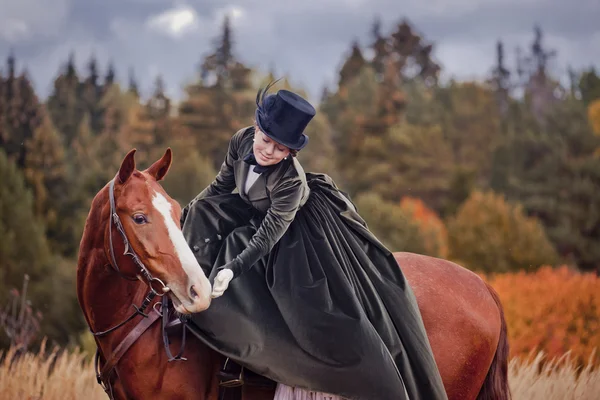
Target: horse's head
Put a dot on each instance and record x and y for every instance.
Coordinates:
(150, 219)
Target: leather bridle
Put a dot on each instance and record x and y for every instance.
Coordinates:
(103, 375)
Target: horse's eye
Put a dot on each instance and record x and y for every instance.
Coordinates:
(140, 219)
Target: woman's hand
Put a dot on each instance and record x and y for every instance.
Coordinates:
(221, 282)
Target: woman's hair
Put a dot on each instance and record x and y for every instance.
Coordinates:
(293, 152)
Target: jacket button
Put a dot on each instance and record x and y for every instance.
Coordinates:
(218, 237)
(206, 240)
(195, 248)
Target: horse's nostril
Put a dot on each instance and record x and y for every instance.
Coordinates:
(193, 293)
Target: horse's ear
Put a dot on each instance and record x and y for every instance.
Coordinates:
(127, 166)
(160, 168)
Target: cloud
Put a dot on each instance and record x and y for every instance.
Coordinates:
(24, 19)
(13, 30)
(175, 22)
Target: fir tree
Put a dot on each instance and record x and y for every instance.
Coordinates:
(353, 65)
(64, 105)
(379, 46)
(109, 79)
(133, 85)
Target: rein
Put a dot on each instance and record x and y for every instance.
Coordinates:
(103, 375)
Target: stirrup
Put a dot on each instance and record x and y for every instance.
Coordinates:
(229, 379)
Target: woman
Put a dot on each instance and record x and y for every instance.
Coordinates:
(304, 294)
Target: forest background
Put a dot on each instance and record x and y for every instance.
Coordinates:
(501, 175)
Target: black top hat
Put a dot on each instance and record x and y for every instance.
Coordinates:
(283, 117)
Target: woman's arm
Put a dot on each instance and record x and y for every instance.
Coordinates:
(285, 201)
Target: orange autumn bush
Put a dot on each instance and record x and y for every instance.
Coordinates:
(555, 310)
(430, 226)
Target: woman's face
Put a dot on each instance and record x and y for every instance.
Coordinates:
(266, 150)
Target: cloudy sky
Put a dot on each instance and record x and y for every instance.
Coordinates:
(307, 38)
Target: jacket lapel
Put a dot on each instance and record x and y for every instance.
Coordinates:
(240, 170)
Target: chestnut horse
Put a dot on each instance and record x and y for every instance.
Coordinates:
(463, 316)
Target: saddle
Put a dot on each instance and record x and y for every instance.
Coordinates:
(231, 374)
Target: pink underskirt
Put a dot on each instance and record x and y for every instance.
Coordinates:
(285, 392)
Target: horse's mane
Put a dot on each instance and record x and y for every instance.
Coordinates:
(94, 218)
(90, 238)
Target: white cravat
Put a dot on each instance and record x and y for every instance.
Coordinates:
(250, 179)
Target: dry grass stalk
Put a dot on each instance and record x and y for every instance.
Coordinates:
(70, 376)
(537, 378)
(57, 376)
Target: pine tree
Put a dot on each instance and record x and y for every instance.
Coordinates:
(90, 95)
(220, 102)
(109, 80)
(589, 86)
(420, 164)
(379, 45)
(85, 168)
(217, 66)
(159, 110)
(133, 85)
(554, 174)
(501, 80)
(540, 88)
(471, 123)
(4, 131)
(113, 141)
(23, 248)
(21, 114)
(353, 65)
(412, 55)
(64, 104)
(46, 171)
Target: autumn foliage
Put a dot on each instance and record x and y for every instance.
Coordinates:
(430, 226)
(492, 235)
(594, 116)
(554, 310)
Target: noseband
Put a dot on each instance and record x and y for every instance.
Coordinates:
(103, 375)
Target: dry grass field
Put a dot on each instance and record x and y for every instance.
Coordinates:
(71, 376)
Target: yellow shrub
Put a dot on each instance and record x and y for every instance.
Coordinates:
(491, 235)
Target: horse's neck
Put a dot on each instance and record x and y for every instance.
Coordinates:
(109, 297)
(104, 295)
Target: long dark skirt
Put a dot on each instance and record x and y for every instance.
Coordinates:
(327, 310)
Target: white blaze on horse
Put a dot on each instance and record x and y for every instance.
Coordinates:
(198, 285)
